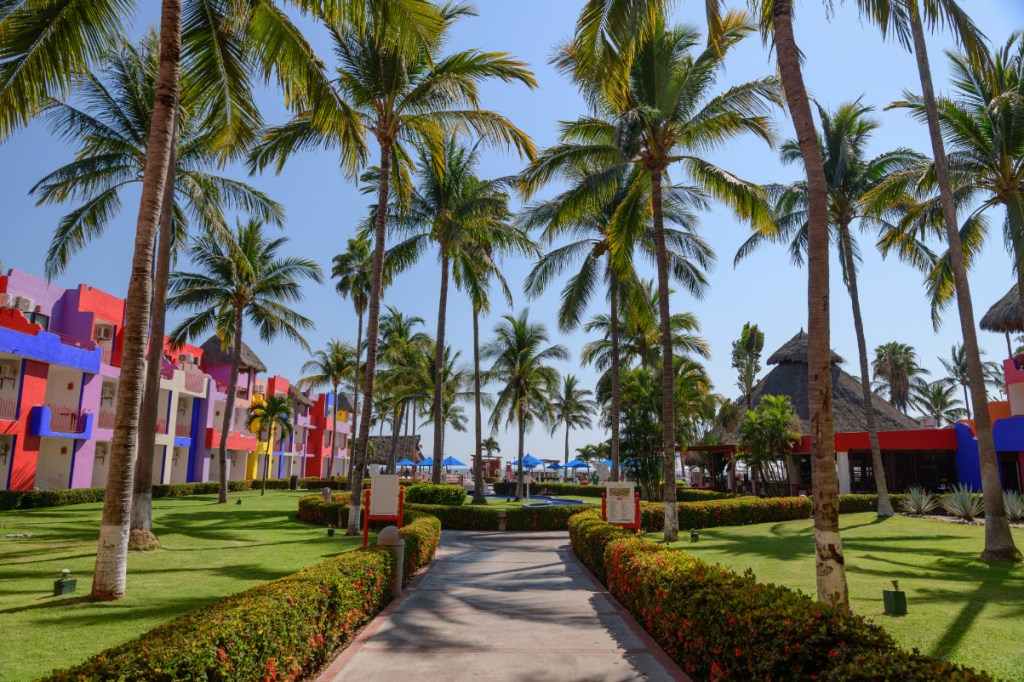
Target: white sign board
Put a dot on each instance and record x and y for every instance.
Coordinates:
(620, 506)
(384, 495)
(603, 471)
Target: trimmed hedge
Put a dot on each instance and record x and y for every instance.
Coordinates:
(696, 495)
(508, 488)
(466, 517)
(315, 509)
(421, 533)
(33, 499)
(739, 511)
(429, 493)
(339, 482)
(720, 625)
(854, 504)
(287, 628)
(555, 517)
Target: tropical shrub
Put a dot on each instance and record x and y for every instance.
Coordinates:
(962, 503)
(1013, 503)
(33, 499)
(855, 504)
(421, 533)
(883, 665)
(508, 488)
(589, 536)
(429, 493)
(315, 509)
(466, 517)
(739, 511)
(340, 483)
(301, 620)
(918, 502)
(684, 494)
(555, 517)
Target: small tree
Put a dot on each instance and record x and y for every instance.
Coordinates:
(766, 437)
(275, 410)
(746, 359)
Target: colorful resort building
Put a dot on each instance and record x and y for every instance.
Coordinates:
(912, 455)
(60, 358)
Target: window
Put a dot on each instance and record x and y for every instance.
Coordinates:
(40, 319)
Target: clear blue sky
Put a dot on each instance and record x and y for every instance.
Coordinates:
(844, 60)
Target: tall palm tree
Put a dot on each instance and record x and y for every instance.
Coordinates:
(573, 407)
(456, 381)
(937, 399)
(240, 275)
(110, 131)
(851, 177)
(333, 366)
(491, 445)
(272, 411)
(354, 271)
(895, 368)
(526, 381)
(746, 359)
(46, 46)
(907, 20)
(957, 373)
(668, 114)
(399, 97)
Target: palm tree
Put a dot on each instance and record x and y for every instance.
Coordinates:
(354, 271)
(906, 19)
(895, 368)
(491, 445)
(766, 436)
(456, 379)
(573, 407)
(667, 115)
(851, 177)
(400, 97)
(241, 275)
(274, 410)
(956, 372)
(110, 131)
(526, 381)
(333, 366)
(746, 359)
(47, 46)
(937, 399)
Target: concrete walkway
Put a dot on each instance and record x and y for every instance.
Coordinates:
(504, 606)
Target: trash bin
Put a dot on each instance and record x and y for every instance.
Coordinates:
(293, 483)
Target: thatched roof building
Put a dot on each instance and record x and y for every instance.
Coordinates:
(1005, 315)
(344, 402)
(215, 354)
(408, 448)
(298, 397)
(789, 377)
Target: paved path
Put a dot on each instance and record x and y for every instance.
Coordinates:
(504, 606)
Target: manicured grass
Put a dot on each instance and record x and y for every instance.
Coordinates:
(958, 606)
(209, 551)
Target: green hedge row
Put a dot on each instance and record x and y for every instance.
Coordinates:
(429, 493)
(508, 488)
(315, 509)
(285, 629)
(720, 625)
(739, 511)
(338, 482)
(32, 499)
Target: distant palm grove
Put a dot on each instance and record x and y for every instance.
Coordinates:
(608, 216)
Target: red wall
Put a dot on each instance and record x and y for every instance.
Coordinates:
(26, 448)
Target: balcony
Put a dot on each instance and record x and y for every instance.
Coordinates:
(111, 357)
(182, 430)
(106, 420)
(194, 382)
(60, 421)
(20, 337)
(8, 408)
(161, 426)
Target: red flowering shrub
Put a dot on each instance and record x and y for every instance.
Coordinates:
(422, 533)
(697, 495)
(737, 511)
(315, 509)
(543, 518)
(282, 630)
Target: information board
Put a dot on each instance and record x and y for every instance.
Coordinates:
(621, 507)
(384, 495)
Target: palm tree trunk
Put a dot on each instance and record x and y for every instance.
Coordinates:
(334, 436)
(359, 458)
(229, 407)
(109, 576)
(478, 429)
(270, 457)
(613, 331)
(999, 543)
(355, 398)
(967, 402)
(442, 308)
(831, 572)
(142, 537)
(396, 427)
(884, 504)
(567, 442)
(521, 426)
(668, 422)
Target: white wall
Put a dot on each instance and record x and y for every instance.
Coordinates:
(58, 381)
(179, 469)
(54, 467)
(100, 464)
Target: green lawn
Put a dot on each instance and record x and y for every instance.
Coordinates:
(209, 551)
(959, 607)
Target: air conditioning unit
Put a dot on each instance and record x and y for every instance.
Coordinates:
(107, 393)
(103, 332)
(7, 370)
(24, 304)
(7, 300)
(186, 359)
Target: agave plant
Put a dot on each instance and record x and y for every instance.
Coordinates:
(1013, 503)
(918, 502)
(963, 503)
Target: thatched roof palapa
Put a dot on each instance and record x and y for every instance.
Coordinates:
(1005, 315)
(789, 377)
(215, 354)
(298, 397)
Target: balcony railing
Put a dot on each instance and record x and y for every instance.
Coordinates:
(111, 357)
(65, 419)
(182, 430)
(106, 419)
(8, 408)
(69, 340)
(161, 426)
(193, 382)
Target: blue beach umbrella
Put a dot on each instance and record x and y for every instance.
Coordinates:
(451, 462)
(428, 462)
(405, 463)
(554, 467)
(530, 461)
(576, 464)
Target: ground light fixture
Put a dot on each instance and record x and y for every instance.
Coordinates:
(694, 535)
(64, 584)
(895, 600)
